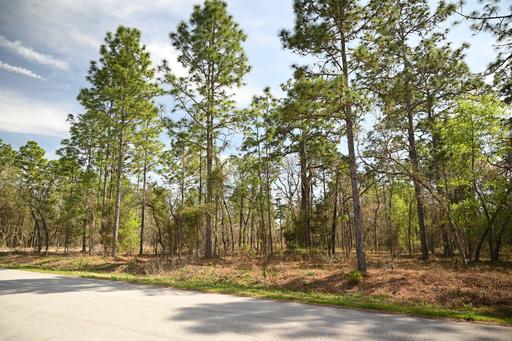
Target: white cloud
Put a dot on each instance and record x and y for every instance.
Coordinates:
(31, 55)
(74, 29)
(120, 10)
(20, 114)
(160, 51)
(19, 70)
(243, 95)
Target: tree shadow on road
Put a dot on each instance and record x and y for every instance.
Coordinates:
(256, 317)
(259, 318)
(62, 284)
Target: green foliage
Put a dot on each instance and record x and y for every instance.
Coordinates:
(469, 312)
(129, 232)
(120, 105)
(210, 50)
(209, 44)
(493, 17)
(441, 144)
(355, 277)
(473, 138)
(290, 236)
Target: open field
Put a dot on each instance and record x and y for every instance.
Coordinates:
(438, 288)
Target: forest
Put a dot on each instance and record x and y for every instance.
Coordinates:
(384, 142)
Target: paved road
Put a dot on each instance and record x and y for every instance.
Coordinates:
(36, 306)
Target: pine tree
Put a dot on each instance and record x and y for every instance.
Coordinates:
(210, 48)
(329, 30)
(122, 88)
(145, 156)
(414, 80)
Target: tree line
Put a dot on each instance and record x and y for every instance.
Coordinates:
(433, 174)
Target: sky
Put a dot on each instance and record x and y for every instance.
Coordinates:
(46, 47)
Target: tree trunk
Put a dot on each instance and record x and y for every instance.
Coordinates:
(499, 238)
(200, 200)
(209, 186)
(413, 156)
(453, 228)
(46, 234)
(94, 223)
(143, 209)
(103, 219)
(263, 230)
(389, 219)
(409, 227)
(36, 241)
(251, 239)
(334, 216)
(480, 244)
(117, 208)
(375, 219)
(349, 126)
(304, 195)
(230, 222)
(84, 234)
(447, 245)
(223, 227)
(269, 202)
(241, 221)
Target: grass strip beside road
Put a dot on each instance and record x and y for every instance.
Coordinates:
(350, 300)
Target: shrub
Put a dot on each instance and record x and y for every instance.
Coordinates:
(355, 277)
(469, 311)
(290, 238)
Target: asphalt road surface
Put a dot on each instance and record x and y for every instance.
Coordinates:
(35, 306)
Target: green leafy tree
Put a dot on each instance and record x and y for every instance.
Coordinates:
(473, 135)
(260, 140)
(36, 182)
(210, 49)
(122, 83)
(145, 158)
(10, 212)
(398, 63)
(307, 124)
(73, 185)
(330, 30)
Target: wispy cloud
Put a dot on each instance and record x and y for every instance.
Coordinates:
(31, 55)
(19, 70)
(21, 114)
(128, 8)
(84, 39)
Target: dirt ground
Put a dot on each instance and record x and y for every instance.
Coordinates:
(438, 281)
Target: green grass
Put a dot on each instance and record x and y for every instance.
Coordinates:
(355, 300)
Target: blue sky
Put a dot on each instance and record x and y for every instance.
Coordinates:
(46, 46)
